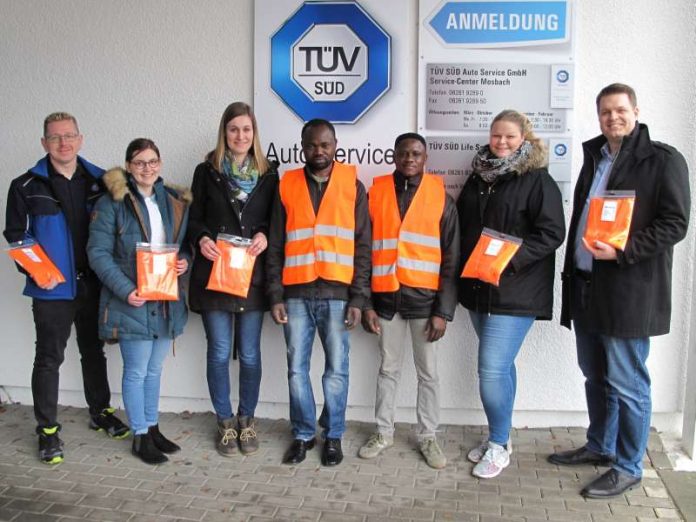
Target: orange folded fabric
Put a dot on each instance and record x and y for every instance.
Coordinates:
(156, 269)
(491, 256)
(609, 218)
(32, 258)
(232, 271)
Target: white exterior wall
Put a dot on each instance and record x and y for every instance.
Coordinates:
(165, 69)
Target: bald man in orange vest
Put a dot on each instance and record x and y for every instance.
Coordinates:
(415, 255)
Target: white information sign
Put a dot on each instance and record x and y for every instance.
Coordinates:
(478, 58)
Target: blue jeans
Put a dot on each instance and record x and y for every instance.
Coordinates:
(617, 388)
(500, 340)
(142, 368)
(220, 328)
(305, 317)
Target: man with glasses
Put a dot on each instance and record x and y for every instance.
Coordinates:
(50, 204)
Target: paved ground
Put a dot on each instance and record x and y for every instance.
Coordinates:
(100, 480)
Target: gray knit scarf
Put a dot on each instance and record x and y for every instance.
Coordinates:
(489, 167)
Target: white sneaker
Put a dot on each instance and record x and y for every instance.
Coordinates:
(476, 454)
(375, 445)
(495, 460)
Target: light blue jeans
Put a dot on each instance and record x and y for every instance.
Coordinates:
(305, 318)
(142, 368)
(617, 388)
(500, 340)
(220, 329)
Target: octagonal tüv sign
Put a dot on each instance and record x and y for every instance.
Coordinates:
(330, 60)
(329, 72)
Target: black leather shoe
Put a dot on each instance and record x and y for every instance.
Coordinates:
(579, 456)
(332, 454)
(297, 451)
(611, 484)
(163, 443)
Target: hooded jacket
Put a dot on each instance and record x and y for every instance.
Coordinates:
(631, 297)
(119, 221)
(526, 204)
(34, 212)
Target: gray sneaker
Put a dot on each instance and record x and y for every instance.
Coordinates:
(432, 453)
(226, 440)
(493, 462)
(248, 443)
(375, 445)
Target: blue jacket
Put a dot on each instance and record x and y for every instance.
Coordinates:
(119, 221)
(33, 212)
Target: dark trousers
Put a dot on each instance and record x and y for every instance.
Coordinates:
(53, 321)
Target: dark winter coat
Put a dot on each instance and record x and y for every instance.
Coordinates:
(119, 221)
(215, 210)
(631, 297)
(421, 303)
(527, 205)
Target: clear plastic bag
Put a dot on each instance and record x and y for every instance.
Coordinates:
(156, 269)
(609, 218)
(233, 269)
(31, 257)
(491, 256)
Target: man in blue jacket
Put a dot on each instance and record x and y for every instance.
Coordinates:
(51, 204)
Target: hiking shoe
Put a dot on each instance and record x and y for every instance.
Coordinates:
(161, 442)
(248, 443)
(108, 422)
(432, 453)
(226, 440)
(494, 460)
(476, 454)
(50, 445)
(375, 445)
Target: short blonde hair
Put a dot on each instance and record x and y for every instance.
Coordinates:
(59, 116)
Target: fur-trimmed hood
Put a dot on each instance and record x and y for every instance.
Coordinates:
(537, 159)
(116, 182)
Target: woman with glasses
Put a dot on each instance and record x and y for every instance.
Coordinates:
(139, 207)
(510, 191)
(233, 190)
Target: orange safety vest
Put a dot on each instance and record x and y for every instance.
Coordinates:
(320, 245)
(406, 252)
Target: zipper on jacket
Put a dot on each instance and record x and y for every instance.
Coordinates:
(251, 195)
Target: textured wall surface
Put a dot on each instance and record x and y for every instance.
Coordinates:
(166, 69)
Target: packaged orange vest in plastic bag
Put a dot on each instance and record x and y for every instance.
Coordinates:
(491, 256)
(156, 268)
(32, 258)
(232, 271)
(609, 218)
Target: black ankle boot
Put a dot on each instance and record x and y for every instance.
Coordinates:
(144, 448)
(163, 443)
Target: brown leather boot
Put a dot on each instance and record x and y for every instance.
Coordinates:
(248, 442)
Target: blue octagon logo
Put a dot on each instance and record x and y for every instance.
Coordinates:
(560, 149)
(562, 76)
(330, 60)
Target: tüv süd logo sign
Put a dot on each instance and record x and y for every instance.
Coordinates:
(330, 60)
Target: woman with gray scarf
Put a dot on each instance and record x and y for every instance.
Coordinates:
(510, 191)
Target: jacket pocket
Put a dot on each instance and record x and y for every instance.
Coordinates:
(43, 205)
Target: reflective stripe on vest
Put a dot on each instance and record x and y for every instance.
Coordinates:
(320, 245)
(406, 252)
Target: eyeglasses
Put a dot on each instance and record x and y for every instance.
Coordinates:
(140, 164)
(67, 138)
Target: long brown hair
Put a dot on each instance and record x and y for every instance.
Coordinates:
(217, 155)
